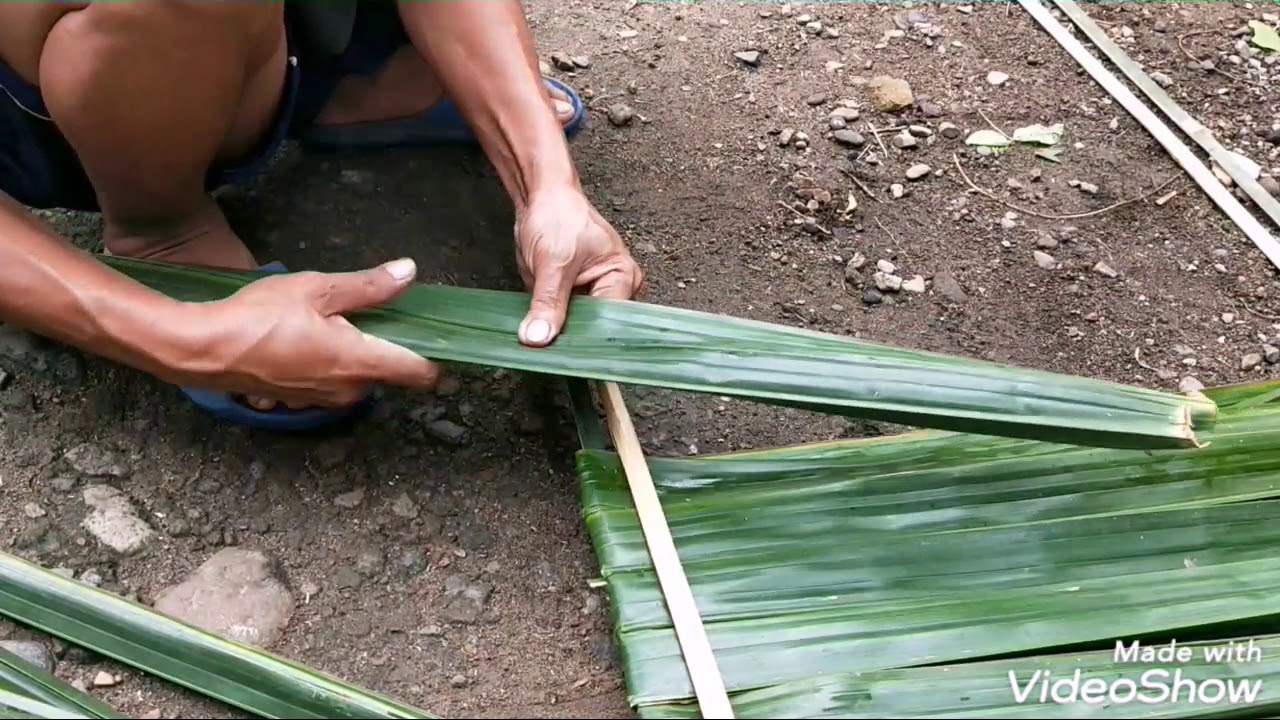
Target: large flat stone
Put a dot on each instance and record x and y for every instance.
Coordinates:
(235, 594)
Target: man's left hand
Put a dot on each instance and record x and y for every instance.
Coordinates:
(563, 245)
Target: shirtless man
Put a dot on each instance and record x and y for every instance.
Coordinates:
(139, 109)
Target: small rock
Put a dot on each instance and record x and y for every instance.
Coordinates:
(1045, 260)
(803, 18)
(104, 679)
(562, 61)
(113, 521)
(1088, 187)
(582, 61)
(830, 33)
(852, 138)
(750, 57)
(464, 601)
(1273, 136)
(995, 77)
(458, 680)
(784, 137)
(1250, 361)
(836, 123)
(1271, 354)
(917, 171)
(914, 285)
(404, 506)
(816, 99)
(621, 114)
(897, 190)
(1008, 223)
(848, 114)
(857, 261)
(35, 653)
(949, 131)
(1048, 242)
(872, 297)
(1189, 384)
(447, 431)
(1228, 317)
(33, 510)
(931, 109)
(63, 483)
(351, 499)
(1162, 79)
(919, 131)
(1270, 184)
(887, 282)
(235, 594)
(886, 267)
(945, 283)
(890, 94)
(94, 461)
(905, 141)
(1222, 175)
(1102, 268)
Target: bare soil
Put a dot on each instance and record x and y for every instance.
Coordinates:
(700, 186)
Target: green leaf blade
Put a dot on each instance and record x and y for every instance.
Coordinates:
(22, 678)
(632, 342)
(241, 676)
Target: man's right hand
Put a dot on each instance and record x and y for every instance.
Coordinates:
(284, 338)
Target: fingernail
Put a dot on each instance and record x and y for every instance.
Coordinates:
(538, 331)
(563, 108)
(401, 269)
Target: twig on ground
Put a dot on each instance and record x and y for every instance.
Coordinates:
(876, 135)
(1259, 313)
(860, 184)
(806, 217)
(994, 126)
(988, 194)
(887, 230)
(1200, 61)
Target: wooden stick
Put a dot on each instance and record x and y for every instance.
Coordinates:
(708, 684)
(1253, 229)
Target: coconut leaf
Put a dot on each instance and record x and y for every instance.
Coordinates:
(22, 678)
(239, 675)
(1250, 685)
(633, 342)
(930, 548)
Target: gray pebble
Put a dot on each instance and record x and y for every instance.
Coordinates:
(750, 57)
(872, 297)
(897, 190)
(447, 431)
(816, 99)
(919, 131)
(1102, 268)
(837, 123)
(851, 138)
(96, 461)
(1190, 384)
(949, 131)
(904, 141)
(1045, 260)
(1250, 361)
(1271, 354)
(621, 114)
(917, 171)
(35, 653)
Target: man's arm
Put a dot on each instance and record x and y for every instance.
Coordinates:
(483, 54)
(282, 337)
(53, 289)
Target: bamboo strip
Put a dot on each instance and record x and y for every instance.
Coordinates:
(1205, 178)
(708, 684)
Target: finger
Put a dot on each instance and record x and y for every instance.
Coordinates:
(551, 290)
(354, 291)
(386, 362)
(615, 285)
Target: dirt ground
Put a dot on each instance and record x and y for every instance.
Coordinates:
(378, 530)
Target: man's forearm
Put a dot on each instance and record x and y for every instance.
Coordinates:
(482, 52)
(52, 289)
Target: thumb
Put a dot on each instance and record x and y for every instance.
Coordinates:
(365, 289)
(547, 309)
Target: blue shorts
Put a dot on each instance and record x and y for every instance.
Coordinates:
(39, 168)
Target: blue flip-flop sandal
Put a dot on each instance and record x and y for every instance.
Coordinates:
(443, 123)
(281, 417)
